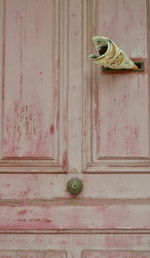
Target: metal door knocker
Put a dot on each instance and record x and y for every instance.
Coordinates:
(75, 186)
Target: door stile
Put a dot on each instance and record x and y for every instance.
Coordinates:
(75, 30)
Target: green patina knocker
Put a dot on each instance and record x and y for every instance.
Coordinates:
(75, 186)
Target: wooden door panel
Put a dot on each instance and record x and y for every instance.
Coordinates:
(61, 113)
(32, 254)
(60, 215)
(25, 113)
(28, 85)
(54, 187)
(76, 246)
(34, 101)
(116, 106)
(115, 254)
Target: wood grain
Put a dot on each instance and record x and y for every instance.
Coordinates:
(54, 187)
(75, 245)
(63, 216)
(114, 254)
(62, 117)
(33, 254)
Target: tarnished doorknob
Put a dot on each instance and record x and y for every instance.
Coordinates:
(75, 186)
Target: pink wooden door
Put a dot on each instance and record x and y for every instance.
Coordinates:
(62, 117)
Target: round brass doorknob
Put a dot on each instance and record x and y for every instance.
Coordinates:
(75, 186)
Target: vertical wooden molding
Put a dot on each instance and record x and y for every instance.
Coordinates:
(1, 68)
(75, 86)
(87, 80)
(148, 60)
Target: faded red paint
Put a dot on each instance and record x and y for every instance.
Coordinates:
(113, 242)
(33, 254)
(132, 145)
(52, 129)
(47, 216)
(84, 132)
(24, 122)
(48, 90)
(114, 254)
(25, 193)
(21, 85)
(57, 120)
(65, 160)
(22, 212)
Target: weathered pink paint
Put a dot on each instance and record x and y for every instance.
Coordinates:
(33, 105)
(54, 187)
(28, 98)
(33, 254)
(62, 117)
(115, 254)
(76, 245)
(116, 115)
(72, 215)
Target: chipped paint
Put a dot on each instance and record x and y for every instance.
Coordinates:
(44, 111)
(24, 123)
